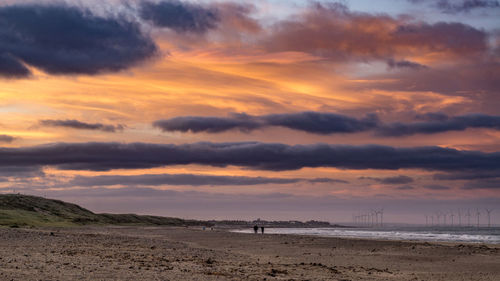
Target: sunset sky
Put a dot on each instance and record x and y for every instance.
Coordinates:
(245, 109)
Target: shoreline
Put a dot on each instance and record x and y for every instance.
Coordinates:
(497, 245)
(235, 231)
(179, 253)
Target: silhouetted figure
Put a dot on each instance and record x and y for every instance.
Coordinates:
(255, 229)
(262, 229)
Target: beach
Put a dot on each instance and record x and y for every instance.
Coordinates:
(178, 253)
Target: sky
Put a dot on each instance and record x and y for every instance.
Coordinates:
(264, 109)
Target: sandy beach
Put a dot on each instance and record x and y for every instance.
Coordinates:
(167, 253)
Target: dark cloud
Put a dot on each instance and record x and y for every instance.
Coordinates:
(436, 187)
(254, 155)
(60, 39)
(311, 122)
(330, 123)
(186, 179)
(321, 123)
(458, 123)
(468, 175)
(391, 180)
(180, 16)
(197, 124)
(6, 138)
(404, 64)
(75, 124)
(483, 184)
(460, 6)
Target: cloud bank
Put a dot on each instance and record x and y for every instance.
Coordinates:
(329, 123)
(254, 155)
(311, 122)
(444, 124)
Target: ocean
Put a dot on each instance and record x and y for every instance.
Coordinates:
(442, 234)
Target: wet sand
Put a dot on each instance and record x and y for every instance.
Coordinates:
(166, 253)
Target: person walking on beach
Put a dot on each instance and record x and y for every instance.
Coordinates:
(262, 229)
(255, 229)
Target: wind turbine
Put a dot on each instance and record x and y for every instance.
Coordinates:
(452, 215)
(459, 217)
(488, 213)
(468, 217)
(478, 214)
(438, 215)
(381, 217)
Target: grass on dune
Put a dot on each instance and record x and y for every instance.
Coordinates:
(18, 210)
(21, 218)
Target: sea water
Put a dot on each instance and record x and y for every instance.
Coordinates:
(489, 235)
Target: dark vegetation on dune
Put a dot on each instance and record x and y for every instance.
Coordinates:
(18, 210)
